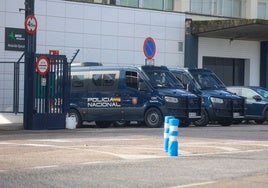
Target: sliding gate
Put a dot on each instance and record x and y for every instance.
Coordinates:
(51, 91)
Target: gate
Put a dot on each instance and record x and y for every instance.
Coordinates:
(51, 93)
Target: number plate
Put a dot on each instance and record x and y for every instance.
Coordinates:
(193, 115)
(237, 115)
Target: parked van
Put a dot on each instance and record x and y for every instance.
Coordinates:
(219, 104)
(123, 94)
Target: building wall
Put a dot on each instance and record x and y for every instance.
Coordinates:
(103, 33)
(108, 34)
(248, 50)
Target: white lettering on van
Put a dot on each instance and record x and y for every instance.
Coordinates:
(104, 102)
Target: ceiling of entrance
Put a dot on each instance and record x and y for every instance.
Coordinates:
(240, 29)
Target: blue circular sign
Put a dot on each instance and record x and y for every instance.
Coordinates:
(149, 47)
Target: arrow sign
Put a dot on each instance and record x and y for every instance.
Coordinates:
(149, 47)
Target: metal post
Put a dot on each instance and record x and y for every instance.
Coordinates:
(30, 48)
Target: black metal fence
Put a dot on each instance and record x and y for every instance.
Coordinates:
(11, 87)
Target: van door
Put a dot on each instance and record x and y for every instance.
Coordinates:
(133, 100)
(104, 104)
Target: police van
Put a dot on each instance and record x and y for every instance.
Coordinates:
(145, 94)
(219, 104)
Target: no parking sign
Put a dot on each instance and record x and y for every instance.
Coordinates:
(149, 47)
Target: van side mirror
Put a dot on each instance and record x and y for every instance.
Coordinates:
(143, 86)
(257, 97)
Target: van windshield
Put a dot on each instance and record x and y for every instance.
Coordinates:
(208, 81)
(163, 79)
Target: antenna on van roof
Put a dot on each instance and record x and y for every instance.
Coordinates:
(75, 54)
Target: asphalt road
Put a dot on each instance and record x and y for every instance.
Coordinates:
(214, 156)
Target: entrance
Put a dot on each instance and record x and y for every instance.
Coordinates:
(229, 70)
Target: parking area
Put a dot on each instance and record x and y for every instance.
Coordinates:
(87, 145)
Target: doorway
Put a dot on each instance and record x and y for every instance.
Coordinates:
(229, 70)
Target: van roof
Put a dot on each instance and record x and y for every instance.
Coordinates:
(89, 68)
(145, 67)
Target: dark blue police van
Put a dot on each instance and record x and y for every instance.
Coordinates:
(123, 94)
(219, 104)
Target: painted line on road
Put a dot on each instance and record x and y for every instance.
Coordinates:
(194, 184)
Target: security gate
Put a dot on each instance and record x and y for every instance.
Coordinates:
(51, 91)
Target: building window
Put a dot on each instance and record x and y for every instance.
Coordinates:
(128, 3)
(229, 8)
(263, 9)
(150, 4)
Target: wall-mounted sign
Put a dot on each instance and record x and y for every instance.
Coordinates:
(14, 39)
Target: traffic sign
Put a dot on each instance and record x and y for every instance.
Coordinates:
(30, 24)
(149, 47)
(42, 65)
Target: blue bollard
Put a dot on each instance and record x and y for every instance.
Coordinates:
(173, 137)
(166, 132)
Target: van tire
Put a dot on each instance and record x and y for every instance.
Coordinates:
(103, 124)
(153, 118)
(204, 119)
(74, 113)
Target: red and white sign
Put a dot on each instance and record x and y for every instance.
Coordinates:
(30, 24)
(42, 65)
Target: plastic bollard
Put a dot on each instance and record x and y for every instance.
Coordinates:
(166, 132)
(173, 137)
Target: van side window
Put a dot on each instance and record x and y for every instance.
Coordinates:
(132, 79)
(103, 81)
(78, 82)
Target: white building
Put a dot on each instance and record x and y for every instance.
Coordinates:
(113, 32)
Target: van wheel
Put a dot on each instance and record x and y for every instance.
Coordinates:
(203, 121)
(259, 121)
(103, 124)
(74, 113)
(153, 118)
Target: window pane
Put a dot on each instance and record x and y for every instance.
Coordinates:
(227, 8)
(207, 6)
(219, 7)
(196, 6)
(153, 4)
(237, 8)
(129, 3)
(168, 4)
(262, 10)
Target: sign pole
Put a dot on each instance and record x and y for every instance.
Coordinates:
(30, 48)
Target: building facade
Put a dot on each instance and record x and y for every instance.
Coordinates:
(187, 33)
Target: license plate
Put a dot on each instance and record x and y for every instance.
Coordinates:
(237, 115)
(193, 115)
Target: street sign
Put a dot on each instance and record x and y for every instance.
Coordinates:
(14, 39)
(30, 24)
(149, 47)
(42, 65)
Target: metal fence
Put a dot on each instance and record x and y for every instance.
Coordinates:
(11, 87)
